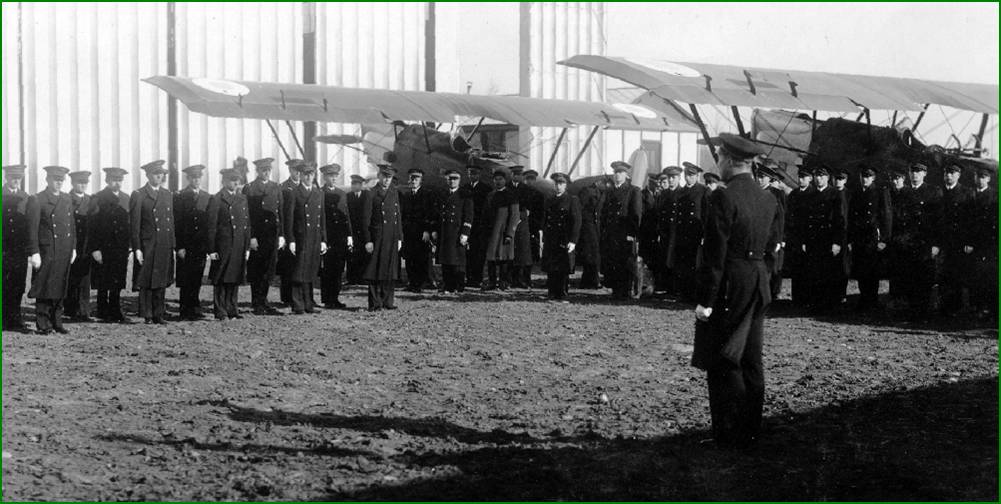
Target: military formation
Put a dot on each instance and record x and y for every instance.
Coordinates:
(931, 239)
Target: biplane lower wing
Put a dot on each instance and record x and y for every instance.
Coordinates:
(310, 102)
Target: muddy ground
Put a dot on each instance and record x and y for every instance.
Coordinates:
(493, 396)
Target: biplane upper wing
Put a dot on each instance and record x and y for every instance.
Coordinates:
(310, 102)
(729, 85)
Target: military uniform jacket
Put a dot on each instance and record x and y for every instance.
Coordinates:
(384, 231)
(478, 193)
(621, 213)
(305, 226)
(870, 218)
(265, 203)
(501, 216)
(588, 250)
(562, 226)
(649, 235)
(151, 214)
(692, 208)
(780, 211)
(954, 219)
(667, 218)
(51, 234)
(797, 205)
(455, 219)
(82, 207)
(984, 224)
(191, 234)
(359, 210)
(111, 233)
(917, 220)
(228, 234)
(417, 211)
(338, 220)
(733, 278)
(529, 210)
(15, 226)
(826, 222)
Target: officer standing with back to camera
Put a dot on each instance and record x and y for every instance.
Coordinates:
(733, 295)
(109, 245)
(51, 249)
(15, 240)
(191, 215)
(151, 213)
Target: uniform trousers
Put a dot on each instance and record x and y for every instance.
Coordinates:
(224, 297)
(330, 277)
(381, 294)
(77, 301)
(302, 297)
(589, 278)
(259, 293)
(558, 281)
(498, 274)
(48, 314)
(737, 391)
(417, 265)
(957, 267)
(476, 257)
(152, 303)
(453, 278)
(15, 271)
(109, 304)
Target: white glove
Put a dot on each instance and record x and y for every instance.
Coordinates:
(934, 251)
(281, 242)
(425, 236)
(968, 249)
(778, 247)
(323, 248)
(246, 255)
(399, 245)
(181, 253)
(138, 254)
(631, 238)
(35, 260)
(254, 244)
(351, 243)
(73, 257)
(214, 256)
(881, 246)
(369, 247)
(570, 247)
(98, 258)
(835, 249)
(463, 240)
(291, 247)
(702, 313)
(804, 247)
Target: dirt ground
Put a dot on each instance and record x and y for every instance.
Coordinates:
(493, 396)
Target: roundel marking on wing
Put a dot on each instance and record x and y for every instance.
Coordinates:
(221, 86)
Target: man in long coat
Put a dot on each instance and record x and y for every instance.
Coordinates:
(15, 239)
(359, 204)
(668, 219)
(339, 238)
(109, 245)
(264, 200)
(620, 221)
(452, 231)
(824, 242)
(228, 244)
(51, 249)
(531, 206)
(476, 253)
(983, 231)
(954, 240)
(383, 235)
(561, 232)
(693, 205)
(77, 303)
(588, 253)
(151, 212)
(797, 210)
(306, 232)
(191, 232)
(649, 242)
(870, 223)
(501, 216)
(733, 295)
(417, 206)
(285, 257)
(914, 231)
(767, 176)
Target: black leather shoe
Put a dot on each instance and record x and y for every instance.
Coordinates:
(61, 330)
(159, 321)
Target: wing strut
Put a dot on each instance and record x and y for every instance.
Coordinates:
(739, 121)
(427, 141)
(980, 135)
(920, 117)
(279, 140)
(475, 129)
(705, 132)
(583, 149)
(296, 138)
(556, 148)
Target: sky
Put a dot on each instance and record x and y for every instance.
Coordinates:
(939, 41)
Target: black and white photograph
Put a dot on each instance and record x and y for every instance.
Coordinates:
(499, 251)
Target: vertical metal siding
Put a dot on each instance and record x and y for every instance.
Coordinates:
(10, 145)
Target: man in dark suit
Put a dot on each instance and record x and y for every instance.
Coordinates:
(477, 251)
(983, 245)
(588, 247)
(285, 257)
(824, 242)
(620, 221)
(306, 232)
(191, 232)
(77, 302)
(109, 245)
(733, 295)
(339, 238)
(915, 229)
(767, 176)
(151, 213)
(869, 227)
(561, 232)
(530, 205)
(383, 240)
(417, 207)
(692, 207)
(359, 204)
(954, 240)
(51, 249)
(797, 207)
(228, 243)
(15, 239)
(667, 218)
(264, 202)
(455, 224)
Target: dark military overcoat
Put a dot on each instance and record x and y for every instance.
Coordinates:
(51, 234)
(151, 213)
